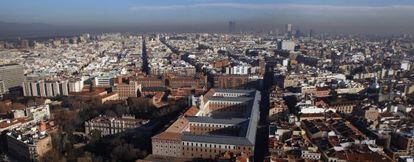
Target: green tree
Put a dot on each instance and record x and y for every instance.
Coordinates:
(95, 135)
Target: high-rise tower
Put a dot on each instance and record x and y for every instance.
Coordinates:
(232, 26)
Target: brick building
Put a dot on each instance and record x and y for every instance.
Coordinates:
(186, 81)
(231, 81)
(226, 122)
(126, 88)
(150, 81)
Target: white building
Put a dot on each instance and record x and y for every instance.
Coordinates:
(405, 65)
(286, 45)
(285, 62)
(12, 75)
(75, 85)
(37, 113)
(43, 88)
(310, 155)
(241, 70)
(2, 88)
(103, 81)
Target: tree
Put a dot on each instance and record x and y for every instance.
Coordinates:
(121, 110)
(95, 135)
(52, 156)
(110, 113)
(65, 119)
(125, 152)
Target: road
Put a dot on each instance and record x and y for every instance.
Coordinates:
(262, 140)
(145, 67)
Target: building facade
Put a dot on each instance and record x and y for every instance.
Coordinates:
(110, 125)
(28, 146)
(226, 122)
(126, 90)
(12, 75)
(2, 88)
(42, 88)
(230, 81)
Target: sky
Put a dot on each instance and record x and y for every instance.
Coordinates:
(376, 16)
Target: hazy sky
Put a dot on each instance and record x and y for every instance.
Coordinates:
(392, 16)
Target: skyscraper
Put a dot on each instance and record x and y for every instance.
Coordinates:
(24, 44)
(232, 26)
(12, 75)
(2, 45)
(289, 28)
(298, 33)
(311, 33)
